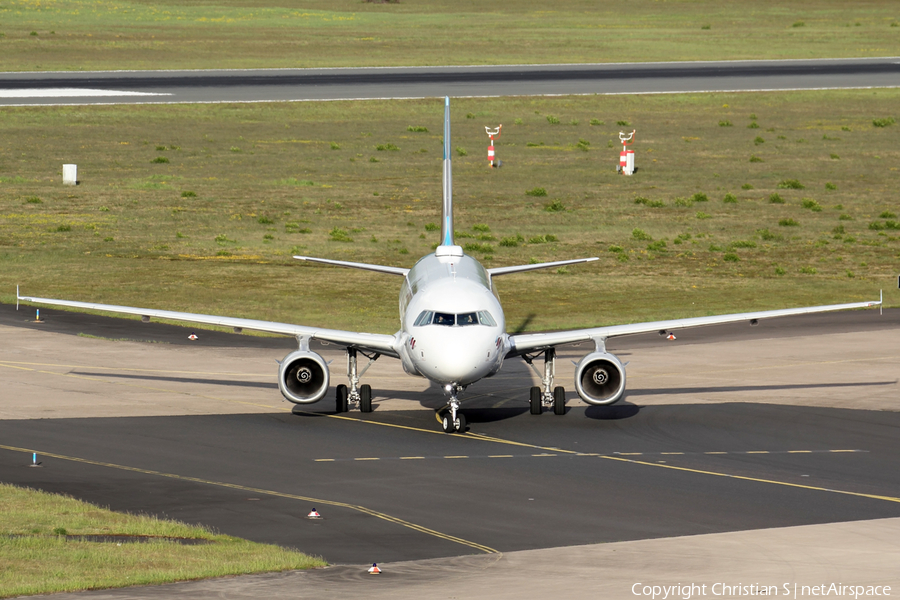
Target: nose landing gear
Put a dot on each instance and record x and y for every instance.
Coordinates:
(453, 421)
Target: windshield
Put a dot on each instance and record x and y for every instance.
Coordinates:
(430, 317)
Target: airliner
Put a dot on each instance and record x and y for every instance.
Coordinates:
(452, 331)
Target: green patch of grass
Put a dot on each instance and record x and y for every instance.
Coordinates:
(759, 140)
(387, 148)
(798, 24)
(700, 197)
(753, 125)
(657, 246)
(264, 220)
(742, 244)
(648, 202)
(702, 215)
(335, 146)
(887, 215)
(188, 194)
(731, 257)
(810, 204)
(768, 236)
(417, 129)
(33, 200)
(339, 235)
(553, 120)
(461, 151)
(790, 184)
(583, 145)
(160, 160)
(845, 217)
(555, 206)
(623, 123)
(478, 247)
(432, 227)
(640, 234)
(537, 192)
(755, 159)
(482, 227)
(809, 270)
(725, 123)
(788, 223)
(509, 242)
(597, 122)
(885, 122)
(830, 186)
(747, 186)
(38, 521)
(730, 199)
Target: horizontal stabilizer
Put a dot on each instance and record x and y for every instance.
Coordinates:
(546, 265)
(355, 265)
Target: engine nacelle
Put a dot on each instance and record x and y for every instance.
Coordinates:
(600, 378)
(303, 377)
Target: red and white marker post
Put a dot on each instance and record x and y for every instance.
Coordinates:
(491, 133)
(626, 157)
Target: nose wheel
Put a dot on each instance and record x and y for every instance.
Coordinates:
(453, 420)
(452, 425)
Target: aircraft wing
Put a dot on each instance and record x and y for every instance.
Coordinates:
(381, 343)
(530, 342)
(547, 265)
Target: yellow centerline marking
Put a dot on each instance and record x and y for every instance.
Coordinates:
(500, 456)
(411, 457)
(366, 459)
(234, 486)
(456, 457)
(757, 452)
(715, 453)
(799, 451)
(756, 479)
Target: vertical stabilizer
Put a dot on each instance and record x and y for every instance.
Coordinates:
(447, 211)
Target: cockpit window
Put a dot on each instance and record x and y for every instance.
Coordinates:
(424, 318)
(427, 317)
(444, 319)
(467, 319)
(485, 318)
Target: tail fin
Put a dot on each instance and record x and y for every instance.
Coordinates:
(447, 212)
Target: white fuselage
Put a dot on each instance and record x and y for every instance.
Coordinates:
(452, 324)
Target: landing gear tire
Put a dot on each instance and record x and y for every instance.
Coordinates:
(365, 398)
(559, 401)
(460, 422)
(341, 393)
(536, 400)
(447, 424)
(451, 426)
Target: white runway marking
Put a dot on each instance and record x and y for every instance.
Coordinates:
(70, 93)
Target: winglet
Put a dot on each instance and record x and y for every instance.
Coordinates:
(447, 210)
(17, 296)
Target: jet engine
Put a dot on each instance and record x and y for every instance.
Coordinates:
(303, 377)
(600, 378)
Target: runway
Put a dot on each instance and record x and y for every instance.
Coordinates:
(289, 85)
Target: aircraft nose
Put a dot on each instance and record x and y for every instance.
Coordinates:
(457, 360)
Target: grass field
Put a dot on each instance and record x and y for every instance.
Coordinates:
(36, 558)
(741, 201)
(41, 35)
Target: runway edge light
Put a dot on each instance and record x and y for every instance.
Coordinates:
(374, 570)
(313, 514)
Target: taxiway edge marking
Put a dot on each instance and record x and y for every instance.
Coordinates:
(235, 486)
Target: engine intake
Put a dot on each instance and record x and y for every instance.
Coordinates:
(600, 378)
(303, 377)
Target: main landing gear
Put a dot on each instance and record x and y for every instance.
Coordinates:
(453, 420)
(355, 394)
(546, 395)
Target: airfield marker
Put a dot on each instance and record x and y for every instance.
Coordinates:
(34, 462)
(374, 570)
(193, 337)
(491, 133)
(626, 157)
(313, 514)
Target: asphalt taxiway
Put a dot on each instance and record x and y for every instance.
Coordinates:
(151, 427)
